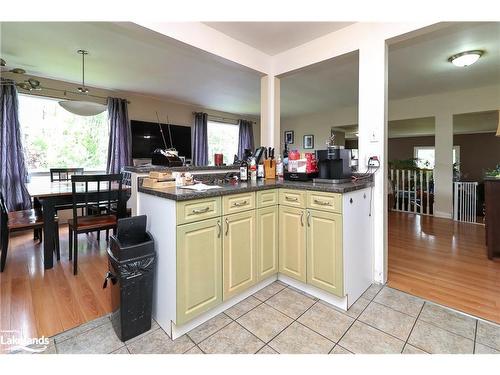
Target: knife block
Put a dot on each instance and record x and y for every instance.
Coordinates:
(269, 169)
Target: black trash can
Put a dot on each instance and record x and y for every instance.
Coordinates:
(131, 259)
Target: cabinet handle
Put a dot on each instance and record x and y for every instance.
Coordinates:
(322, 203)
(308, 218)
(293, 199)
(227, 225)
(239, 204)
(218, 228)
(200, 210)
(302, 218)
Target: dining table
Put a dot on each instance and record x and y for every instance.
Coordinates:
(52, 194)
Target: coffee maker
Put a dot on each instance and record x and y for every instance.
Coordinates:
(334, 165)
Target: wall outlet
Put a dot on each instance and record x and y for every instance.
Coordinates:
(373, 161)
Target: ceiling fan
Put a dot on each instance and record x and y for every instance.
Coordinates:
(29, 84)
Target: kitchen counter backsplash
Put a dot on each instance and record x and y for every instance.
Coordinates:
(179, 194)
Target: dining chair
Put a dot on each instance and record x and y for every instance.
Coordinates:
(16, 221)
(64, 174)
(93, 190)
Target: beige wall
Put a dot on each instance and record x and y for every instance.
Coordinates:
(477, 152)
(141, 107)
(319, 125)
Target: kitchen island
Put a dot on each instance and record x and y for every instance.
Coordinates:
(219, 246)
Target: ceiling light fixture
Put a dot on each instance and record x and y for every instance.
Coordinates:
(466, 58)
(82, 107)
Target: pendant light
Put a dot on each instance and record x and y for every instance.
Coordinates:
(82, 107)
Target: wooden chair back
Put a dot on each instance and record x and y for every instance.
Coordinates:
(103, 190)
(64, 174)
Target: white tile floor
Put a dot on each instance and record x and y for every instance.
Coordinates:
(279, 319)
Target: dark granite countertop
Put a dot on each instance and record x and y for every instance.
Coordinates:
(148, 168)
(180, 194)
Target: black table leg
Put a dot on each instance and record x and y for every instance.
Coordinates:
(49, 230)
(37, 232)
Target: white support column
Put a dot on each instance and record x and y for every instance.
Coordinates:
(373, 141)
(443, 170)
(270, 113)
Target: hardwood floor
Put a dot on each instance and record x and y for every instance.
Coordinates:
(39, 302)
(444, 261)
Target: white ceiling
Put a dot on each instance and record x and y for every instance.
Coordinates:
(419, 66)
(275, 37)
(321, 87)
(126, 57)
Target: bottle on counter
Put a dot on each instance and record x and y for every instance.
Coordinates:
(244, 171)
(260, 171)
(279, 167)
(285, 157)
(253, 169)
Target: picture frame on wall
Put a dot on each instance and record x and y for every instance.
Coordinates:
(289, 137)
(308, 142)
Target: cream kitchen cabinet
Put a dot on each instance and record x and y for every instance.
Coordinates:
(199, 266)
(310, 245)
(239, 253)
(324, 251)
(214, 252)
(292, 242)
(267, 241)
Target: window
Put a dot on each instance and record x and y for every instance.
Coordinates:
(222, 139)
(425, 156)
(55, 138)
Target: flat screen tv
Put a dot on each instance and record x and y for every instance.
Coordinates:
(146, 138)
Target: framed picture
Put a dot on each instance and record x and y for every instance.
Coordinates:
(308, 141)
(289, 137)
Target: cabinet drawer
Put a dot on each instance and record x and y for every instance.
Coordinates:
(293, 198)
(199, 209)
(232, 204)
(331, 202)
(267, 198)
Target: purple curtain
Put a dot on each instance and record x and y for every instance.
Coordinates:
(245, 137)
(13, 172)
(120, 136)
(200, 139)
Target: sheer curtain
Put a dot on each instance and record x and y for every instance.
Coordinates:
(120, 136)
(245, 138)
(13, 168)
(200, 139)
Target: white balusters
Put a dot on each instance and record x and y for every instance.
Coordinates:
(464, 201)
(412, 193)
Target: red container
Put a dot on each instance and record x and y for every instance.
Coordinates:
(218, 159)
(311, 163)
(294, 155)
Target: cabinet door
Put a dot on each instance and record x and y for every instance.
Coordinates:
(324, 251)
(239, 253)
(267, 242)
(199, 265)
(292, 242)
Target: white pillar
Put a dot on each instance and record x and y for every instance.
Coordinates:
(270, 113)
(443, 170)
(372, 119)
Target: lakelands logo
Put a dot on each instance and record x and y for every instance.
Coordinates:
(15, 342)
